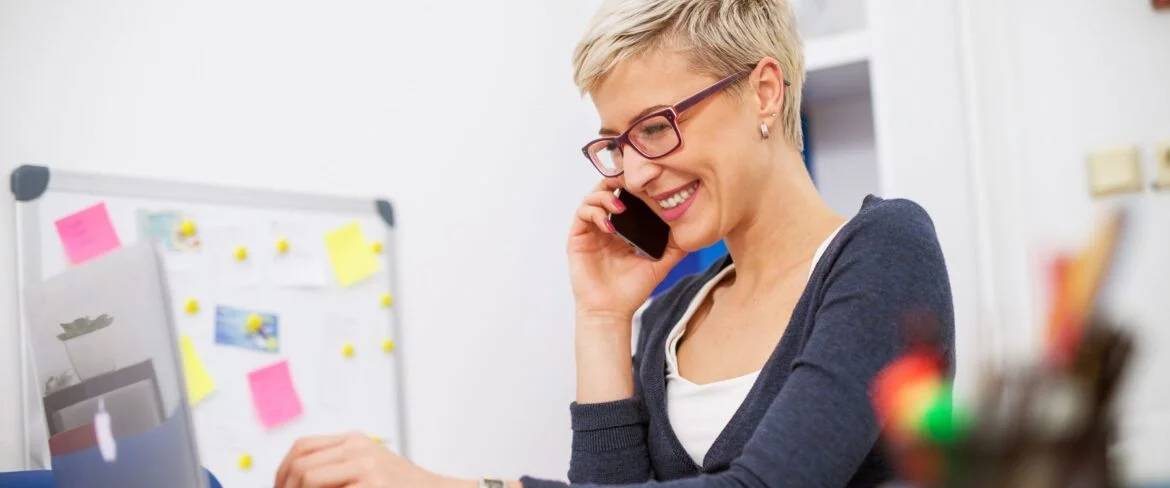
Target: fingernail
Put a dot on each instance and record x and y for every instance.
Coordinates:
(609, 225)
(618, 203)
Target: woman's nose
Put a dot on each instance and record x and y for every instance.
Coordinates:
(638, 171)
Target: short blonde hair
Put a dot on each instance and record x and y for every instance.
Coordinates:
(722, 37)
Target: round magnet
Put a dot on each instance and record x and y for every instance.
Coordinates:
(254, 323)
(246, 462)
(187, 228)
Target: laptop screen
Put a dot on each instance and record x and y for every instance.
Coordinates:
(106, 359)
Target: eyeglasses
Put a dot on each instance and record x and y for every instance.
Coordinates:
(653, 136)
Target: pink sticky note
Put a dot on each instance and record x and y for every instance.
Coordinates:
(273, 395)
(87, 234)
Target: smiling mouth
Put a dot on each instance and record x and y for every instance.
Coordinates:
(678, 197)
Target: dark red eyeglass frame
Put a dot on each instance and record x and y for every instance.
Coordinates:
(671, 113)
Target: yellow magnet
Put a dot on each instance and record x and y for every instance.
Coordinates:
(347, 350)
(388, 345)
(241, 253)
(254, 323)
(282, 246)
(376, 247)
(272, 344)
(387, 300)
(187, 228)
(192, 306)
(246, 462)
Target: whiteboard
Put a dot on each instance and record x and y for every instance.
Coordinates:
(332, 336)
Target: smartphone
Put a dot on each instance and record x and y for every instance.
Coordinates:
(640, 226)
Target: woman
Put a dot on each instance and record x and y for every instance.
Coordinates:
(755, 372)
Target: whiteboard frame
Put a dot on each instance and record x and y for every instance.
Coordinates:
(28, 246)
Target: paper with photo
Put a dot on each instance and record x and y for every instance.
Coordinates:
(199, 382)
(303, 264)
(87, 234)
(231, 329)
(164, 228)
(351, 255)
(274, 395)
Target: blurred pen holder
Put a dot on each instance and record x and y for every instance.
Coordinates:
(1043, 427)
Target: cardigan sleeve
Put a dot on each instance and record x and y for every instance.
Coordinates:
(609, 439)
(821, 425)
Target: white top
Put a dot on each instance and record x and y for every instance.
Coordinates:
(698, 413)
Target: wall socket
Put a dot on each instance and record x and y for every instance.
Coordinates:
(1162, 166)
(1115, 170)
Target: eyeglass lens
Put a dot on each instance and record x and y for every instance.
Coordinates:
(652, 137)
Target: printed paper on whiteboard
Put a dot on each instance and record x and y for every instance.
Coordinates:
(249, 329)
(339, 376)
(298, 259)
(165, 228)
(221, 245)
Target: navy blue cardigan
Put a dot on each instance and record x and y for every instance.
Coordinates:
(807, 421)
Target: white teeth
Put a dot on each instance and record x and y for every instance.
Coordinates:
(674, 200)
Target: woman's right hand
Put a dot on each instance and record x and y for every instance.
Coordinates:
(609, 279)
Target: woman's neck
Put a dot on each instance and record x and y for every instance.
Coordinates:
(782, 233)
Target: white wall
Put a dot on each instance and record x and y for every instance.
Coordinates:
(922, 146)
(463, 113)
(1051, 80)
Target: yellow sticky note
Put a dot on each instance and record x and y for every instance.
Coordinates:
(349, 254)
(199, 382)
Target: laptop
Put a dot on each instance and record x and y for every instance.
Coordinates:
(106, 357)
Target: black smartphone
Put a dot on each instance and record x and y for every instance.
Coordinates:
(640, 226)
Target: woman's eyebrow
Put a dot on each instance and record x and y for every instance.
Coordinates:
(610, 132)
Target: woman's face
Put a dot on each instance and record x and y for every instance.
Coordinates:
(704, 188)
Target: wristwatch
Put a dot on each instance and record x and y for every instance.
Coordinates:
(491, 483)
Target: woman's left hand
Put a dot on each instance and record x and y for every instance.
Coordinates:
(351, 460)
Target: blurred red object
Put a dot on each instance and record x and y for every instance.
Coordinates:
(901, 391)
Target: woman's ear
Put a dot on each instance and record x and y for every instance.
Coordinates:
(768, 82)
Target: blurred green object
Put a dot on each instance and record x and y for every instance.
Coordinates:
(944, 423)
